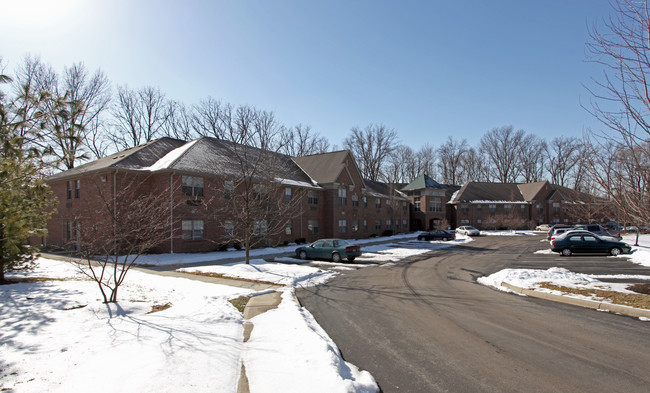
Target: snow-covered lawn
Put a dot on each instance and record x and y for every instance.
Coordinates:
(532, 278)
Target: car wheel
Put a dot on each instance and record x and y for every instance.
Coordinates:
(336, 257)
(419, 237)
(566, 252)
(351, 259)
(615, 251)
(445, 239)
(302, 255)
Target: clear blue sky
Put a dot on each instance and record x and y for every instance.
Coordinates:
(429, 69)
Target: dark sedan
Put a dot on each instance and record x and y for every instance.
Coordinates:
(585, 242)
(332, 249)
(437, 234)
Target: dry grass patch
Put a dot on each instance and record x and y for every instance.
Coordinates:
(18, 280)
(240, 303)
(221, 275)
(625, 299)
(159, 307)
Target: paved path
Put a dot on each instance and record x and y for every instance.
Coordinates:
(425, 325)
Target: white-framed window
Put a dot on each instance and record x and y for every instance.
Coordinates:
(355, 200)
(378, 203)
(492, 208)
(192, 229)
(464, 222)
(464, 207)
(365, 225)
(260, 227)
(228, 188)
(365, 201)
(507, 208)
(378, 225)
(312, 227)
(343, 196)
(228, 229)
(435, 205)
(355, 225)
(404, 206)
(416, 203)
(77, 188)
(405, 224)
(556, 207)
(192, 186)
(288, 193)
(389, 224)
(478, 208)
(312, 197)
(288, 228)
(343, 226)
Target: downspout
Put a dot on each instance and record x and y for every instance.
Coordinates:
(171, 212)
(115, 209)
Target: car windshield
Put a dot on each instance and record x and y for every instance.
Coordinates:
(471, 228)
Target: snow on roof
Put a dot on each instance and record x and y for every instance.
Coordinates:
(297, 183)
(170, 157)
(506, 202)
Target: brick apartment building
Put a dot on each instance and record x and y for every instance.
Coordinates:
(328, 194)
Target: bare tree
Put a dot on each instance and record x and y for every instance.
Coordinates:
(532, 158)
(208, 115)
(562, 156)
(621, 105)
(182, 122)
(112, 234)
(256, 201)
(426, 160)
(450, 160)
(301, 141)
(502, 146)
(371, 148)
(475, 167)
(140, 116)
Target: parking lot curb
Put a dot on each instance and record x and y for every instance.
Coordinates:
(595, 305)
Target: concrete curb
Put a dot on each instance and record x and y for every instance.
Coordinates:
(595, 305)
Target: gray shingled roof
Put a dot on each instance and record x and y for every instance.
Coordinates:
(421, 182)
(495, 192)
(134, 158)
(323, 168)
(382, 190)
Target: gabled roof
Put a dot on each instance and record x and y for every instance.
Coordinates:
(134, 158)
(327, 167)
(382, 190)
(488, 192)
(206, 156)
(421, 182)
(531, 191)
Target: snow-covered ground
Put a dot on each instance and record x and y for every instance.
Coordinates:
(532, 278)
(57, 335)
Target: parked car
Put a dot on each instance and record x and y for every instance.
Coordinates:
(437, 234)
(599, 230)
(543, 227)
(551, 231)
(557, 232)
(332, 249)
(587, 242)
(468, 230)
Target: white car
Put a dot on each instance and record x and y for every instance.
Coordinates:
(468, 230)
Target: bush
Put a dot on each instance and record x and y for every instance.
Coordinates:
(301, 240)
(237, 246)
(387, 232)
(223, 247)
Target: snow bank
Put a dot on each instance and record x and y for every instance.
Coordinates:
(289, 352)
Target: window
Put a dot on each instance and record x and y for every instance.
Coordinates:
(343, 197)
(389, 204)
(355, 226)
(435, 205)
(416, 202)
(259, 191)
(228, 188)
(539, 208)
(405, 224)
(404, 206)
(259, 228)
(478, 208)
(590, 239)
(72, 231)
(193, 186)
(378, 203)
(378, 225)
(507, 208)
(192, 229)
(343, 226)
(69, 184)
(365, 202)
(228, 229)
(312, 227)
(464, 222)
(287, 194)
(288, 228)
(556, 207)
(77, 189)
(389, 224)
(355, 200)
(523, 208)
(312, 197)
(365, 225)
(492, 208)
(479, 222)
(464, 208)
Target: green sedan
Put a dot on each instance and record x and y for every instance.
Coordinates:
(332, 249)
